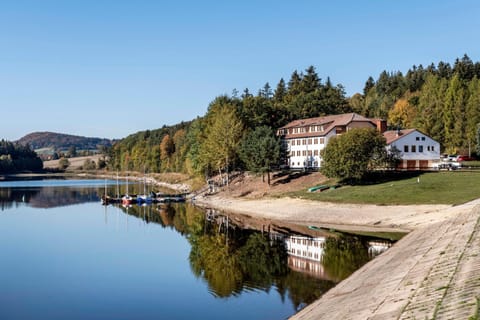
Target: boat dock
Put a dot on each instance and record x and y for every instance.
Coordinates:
(150, 198)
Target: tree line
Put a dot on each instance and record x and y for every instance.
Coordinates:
(238, 130)
(442, 101)
(17, 157)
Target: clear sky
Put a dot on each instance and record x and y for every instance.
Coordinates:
(102, 68)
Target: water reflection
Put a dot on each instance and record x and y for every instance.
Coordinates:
(46, 197)
(231, 259)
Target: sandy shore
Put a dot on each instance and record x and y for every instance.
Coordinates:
(339, 216)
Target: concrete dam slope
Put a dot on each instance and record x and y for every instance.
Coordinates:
(432, 273)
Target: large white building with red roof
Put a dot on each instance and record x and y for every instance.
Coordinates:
(305, 138)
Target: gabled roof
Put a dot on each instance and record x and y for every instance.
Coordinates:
(328, 122)
(394, 135)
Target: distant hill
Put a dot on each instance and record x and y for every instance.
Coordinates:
(60, 141)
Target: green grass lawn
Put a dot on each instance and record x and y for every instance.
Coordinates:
(444, 187)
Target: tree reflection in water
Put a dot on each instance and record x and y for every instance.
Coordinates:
(231, 259)
(343, 255)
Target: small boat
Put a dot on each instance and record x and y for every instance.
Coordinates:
(126, 200)
(143, 198)
(319, 188)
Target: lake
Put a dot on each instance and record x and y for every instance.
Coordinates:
(66, 256)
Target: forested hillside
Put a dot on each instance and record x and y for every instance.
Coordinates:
(60, 141)
(17, 157)
(212, 143)
(441, 100)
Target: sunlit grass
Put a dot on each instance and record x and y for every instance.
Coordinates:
(445, 187)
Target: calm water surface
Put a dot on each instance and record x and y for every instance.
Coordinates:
(65, 256)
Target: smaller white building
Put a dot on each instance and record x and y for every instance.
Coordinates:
(417, 150)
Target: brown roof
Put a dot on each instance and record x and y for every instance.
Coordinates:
(329, 122)
(394, 135)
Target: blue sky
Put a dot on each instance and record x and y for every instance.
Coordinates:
(111, 68)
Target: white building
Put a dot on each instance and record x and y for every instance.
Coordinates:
(417, 150)
(305, 138)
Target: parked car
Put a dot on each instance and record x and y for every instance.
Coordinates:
(464, 158)
(449, 157)
(446, 166)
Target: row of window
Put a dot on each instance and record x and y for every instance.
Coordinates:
(309, 164)
(309, 141)
(308, 242)
(307, 129)
(306, 254)
(413, 148)
(304, 153)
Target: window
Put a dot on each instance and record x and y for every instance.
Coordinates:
(304, 153)
(293, 154)
(423, 138)
(304, 141)
(428, 148)
(310, 152)
(315, 152)
(322, 140)
(420, 148)
(417, 138)
(293, 142)
(309, 141)
(432, 149)
(315, 141)
(414, 148)
(405, 148)
(298, 153)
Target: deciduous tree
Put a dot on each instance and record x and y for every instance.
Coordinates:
(260, 150)
(351, 155)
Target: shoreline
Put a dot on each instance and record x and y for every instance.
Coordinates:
(343, 217)
(432, 272)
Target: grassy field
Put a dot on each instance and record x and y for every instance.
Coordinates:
(444, 187)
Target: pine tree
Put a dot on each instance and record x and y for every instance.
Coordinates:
(310, 81)
(454, 115)
(369, 84)
(472, 112)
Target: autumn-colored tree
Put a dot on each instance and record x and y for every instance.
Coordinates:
(402, 114)
(223, 135)
(166, 150)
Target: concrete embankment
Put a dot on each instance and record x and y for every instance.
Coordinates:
(432, 273)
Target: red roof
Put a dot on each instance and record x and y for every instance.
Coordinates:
(394, 135)
(328, 122)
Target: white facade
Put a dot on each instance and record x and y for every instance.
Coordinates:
(417, 150)
(305, 152)
(305, 247)
(304, 139)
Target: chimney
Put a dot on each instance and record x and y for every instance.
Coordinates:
(381, 125)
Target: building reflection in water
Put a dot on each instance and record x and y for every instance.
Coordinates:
(305, 254)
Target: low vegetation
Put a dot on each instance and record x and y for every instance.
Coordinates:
(446, 187)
